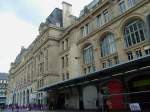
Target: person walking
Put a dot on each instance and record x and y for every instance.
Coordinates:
(102, 102)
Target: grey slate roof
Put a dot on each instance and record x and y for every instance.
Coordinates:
(18, 58)
(55, 17)
(89, 7)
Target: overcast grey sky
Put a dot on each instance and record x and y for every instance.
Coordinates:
(19, 22)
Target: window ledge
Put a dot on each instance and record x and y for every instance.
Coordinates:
(87, 65)
(109, 56)
(136, 46)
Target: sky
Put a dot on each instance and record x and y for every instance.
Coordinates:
(19, 22)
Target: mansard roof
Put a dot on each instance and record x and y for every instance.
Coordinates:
(55, 17)
(19, 56)
(89, 7)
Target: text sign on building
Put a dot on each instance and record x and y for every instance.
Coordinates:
(135, 107)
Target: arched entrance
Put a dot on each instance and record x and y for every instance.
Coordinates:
(89, 97)
(139, 88)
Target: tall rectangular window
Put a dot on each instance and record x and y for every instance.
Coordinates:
(122, 6)
(99, 20)
(87, 29)
(88, 55)
(130, 56)
(67, 43)
(104, 65)
(147, 51)
(41, 67)
(148, 21)
(131, 3)
(90, 27)
(63, 62)
(106, 16)
(63, 45)
(67, 61)
(42, 82)
(138, 53)
(109, 63)
(88, 59)
(46, 60)
(82, 31)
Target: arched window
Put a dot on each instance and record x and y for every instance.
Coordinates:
(134, 32)
(108, 45)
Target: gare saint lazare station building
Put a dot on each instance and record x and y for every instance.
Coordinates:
(101, 58)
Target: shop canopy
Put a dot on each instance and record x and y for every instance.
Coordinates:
(120, 69)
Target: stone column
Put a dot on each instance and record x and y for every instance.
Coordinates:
(20, 98)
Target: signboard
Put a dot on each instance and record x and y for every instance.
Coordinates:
(135, 107)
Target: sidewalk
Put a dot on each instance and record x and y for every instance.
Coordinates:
(23, 110)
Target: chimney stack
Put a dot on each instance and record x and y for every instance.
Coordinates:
(67, 9)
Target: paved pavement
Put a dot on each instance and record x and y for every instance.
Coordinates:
(9, 110)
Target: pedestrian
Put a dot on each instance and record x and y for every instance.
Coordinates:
(106, 107)
(12, 107)
(102, 102)
(17, 108)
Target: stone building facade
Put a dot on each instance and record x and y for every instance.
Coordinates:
(107, 34)
(3, 88)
